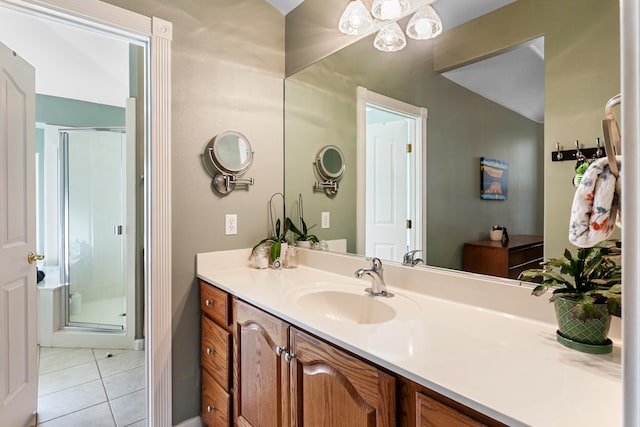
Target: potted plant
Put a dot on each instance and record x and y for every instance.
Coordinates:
(277, 240)
(587, 292)
(303, 239)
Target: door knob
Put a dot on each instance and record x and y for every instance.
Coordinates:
(31, 257)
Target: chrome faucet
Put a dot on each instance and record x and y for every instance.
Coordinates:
(410, 258)
(378, 288)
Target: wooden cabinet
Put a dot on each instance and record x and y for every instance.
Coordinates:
(216, 402)
(285, 377)
(490, 257)
(215, 356)
(332, 388)
(419, 406)
(259, 371)
(261, 375)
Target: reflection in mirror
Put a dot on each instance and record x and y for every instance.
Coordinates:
(330, 166)
(391, 149)
(330, 162)
(581, 71)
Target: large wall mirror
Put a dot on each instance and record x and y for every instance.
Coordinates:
(576, 43)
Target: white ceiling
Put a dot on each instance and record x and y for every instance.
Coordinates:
(284, 6)
(514, 79)
(70, 62)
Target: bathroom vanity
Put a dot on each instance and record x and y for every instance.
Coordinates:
(307, 346)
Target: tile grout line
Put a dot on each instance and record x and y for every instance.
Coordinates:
(101, 377)
(69, 413)
(113, 417)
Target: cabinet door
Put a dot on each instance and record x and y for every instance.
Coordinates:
(261, 386)
(332, 388)
(431, 413)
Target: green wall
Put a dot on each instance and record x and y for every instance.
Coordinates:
(53, 110)
(462, 127)
(582, 69)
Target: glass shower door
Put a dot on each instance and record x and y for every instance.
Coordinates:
(94, 214)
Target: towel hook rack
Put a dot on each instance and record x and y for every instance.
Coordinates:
(579, 154)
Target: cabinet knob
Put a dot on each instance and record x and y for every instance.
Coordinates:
(289, 356)
(280, 350)
(208, 302)
(210, 350)
(211, 408)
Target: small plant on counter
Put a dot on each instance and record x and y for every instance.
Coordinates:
(587, 291)
(276, 240)
(591, 277)
(302, 235)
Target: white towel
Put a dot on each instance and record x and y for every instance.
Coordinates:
(596, 205)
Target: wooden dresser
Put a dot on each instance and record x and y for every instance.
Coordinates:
(490, 257)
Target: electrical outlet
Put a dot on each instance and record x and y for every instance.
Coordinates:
(326, 219)
(230, 224)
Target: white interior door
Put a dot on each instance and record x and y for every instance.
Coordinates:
(387, 190)
(18, 350)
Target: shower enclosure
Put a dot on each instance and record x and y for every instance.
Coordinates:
(94, 227)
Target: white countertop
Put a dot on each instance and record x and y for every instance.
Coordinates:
(507, 366)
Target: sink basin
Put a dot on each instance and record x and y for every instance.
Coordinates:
(346, 307)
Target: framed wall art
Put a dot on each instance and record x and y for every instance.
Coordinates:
(493, 179)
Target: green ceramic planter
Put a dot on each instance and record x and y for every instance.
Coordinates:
(592, 332)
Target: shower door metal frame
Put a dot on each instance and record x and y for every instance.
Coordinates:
(64, 230)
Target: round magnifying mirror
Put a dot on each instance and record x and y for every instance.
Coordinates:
(330, 162)
(231, 152)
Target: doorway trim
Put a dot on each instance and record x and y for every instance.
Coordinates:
(156, 34)
(364, 97)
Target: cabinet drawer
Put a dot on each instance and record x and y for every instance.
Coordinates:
(215, 352)
(215, 303)
(514, 272)
(431, 413)
(525, 255)
(216, 403)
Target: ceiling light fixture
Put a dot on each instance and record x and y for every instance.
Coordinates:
(356, 20)
(389, 9)
(390, 38)
(424, 24)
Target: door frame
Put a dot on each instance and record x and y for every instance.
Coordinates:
(630, 112)
(364, 97)
(156, 35)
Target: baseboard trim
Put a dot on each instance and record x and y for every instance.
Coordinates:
(138, 344)
(192, 422)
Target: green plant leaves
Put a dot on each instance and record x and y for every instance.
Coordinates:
(275, 250)
(590, 277)
(302, 235)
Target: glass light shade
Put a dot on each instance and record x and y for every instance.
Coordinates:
(389, 9)
(355, 19)
(390, 38)
(424, 24)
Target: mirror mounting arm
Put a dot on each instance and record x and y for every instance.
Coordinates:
(225, 184)
(330, 187)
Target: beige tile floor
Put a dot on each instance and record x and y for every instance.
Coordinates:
(91, 387)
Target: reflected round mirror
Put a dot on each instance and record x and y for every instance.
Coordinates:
(330, 162)
(230, 152)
